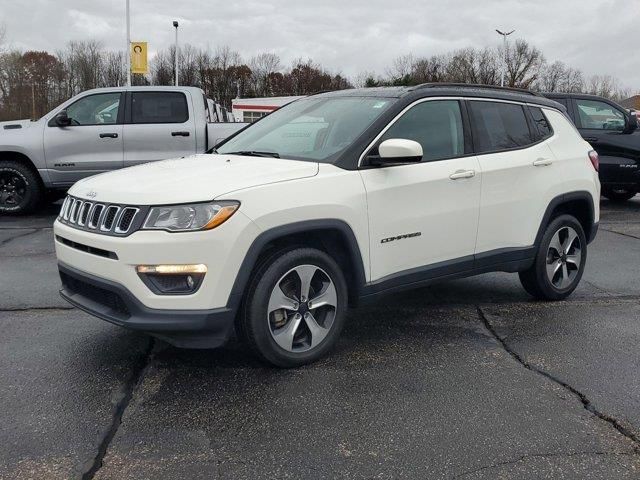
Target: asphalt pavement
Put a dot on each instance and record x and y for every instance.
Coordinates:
(466, 379)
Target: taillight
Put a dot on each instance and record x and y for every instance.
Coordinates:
(595, 160)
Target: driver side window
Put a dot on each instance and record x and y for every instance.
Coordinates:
(596, 115)
(99, 109)
(436, 125)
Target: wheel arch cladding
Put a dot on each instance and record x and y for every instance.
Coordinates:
(334, 237)
(579, 204)
(18, 157)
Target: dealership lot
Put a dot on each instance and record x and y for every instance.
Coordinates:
(467, 379)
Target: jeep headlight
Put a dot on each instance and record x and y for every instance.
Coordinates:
(189, 217)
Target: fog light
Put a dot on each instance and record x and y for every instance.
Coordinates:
(172, 279)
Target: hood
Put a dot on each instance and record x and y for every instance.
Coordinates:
(192, 179)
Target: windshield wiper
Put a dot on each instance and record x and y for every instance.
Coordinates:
(255, 153)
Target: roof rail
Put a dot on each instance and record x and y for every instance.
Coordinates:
(477, 85)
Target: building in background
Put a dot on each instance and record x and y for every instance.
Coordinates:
(631, 103)
(252, 109)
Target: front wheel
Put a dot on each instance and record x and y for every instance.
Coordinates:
(618, 195)
(295, 307)
(559, 262)
(20, 189)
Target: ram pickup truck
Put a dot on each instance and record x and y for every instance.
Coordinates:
(101, 130)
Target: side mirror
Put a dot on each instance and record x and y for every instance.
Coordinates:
(62, 119)
(398, 151)
(631, 123)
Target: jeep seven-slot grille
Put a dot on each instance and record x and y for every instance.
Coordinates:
(102, 218)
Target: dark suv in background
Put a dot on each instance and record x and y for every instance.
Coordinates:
(611, 130)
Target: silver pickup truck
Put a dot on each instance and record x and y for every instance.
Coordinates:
(101, 130)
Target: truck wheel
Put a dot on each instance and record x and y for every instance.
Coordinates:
(618, 195)
(295, 307)
(560, 260)
(20, 188)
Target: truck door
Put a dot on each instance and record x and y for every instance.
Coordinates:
(603, 126)
(91, 144)
(158, 125)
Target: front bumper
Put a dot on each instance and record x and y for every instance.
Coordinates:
(112, 302)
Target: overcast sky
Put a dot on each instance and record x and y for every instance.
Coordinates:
(347, 36)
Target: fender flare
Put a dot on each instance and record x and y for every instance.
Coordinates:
(564, 198)
(251, 258)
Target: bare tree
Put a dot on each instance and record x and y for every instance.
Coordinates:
(114, 70)
(263, 66)
(524, 63)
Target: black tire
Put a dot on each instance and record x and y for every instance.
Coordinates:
(536, 281)
(256, 322)
(18, 179)
(618, 195)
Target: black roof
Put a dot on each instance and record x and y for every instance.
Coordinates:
(448, 90)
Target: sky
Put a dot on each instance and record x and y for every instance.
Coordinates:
(345, 36)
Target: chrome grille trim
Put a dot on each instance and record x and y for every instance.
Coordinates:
(99, 209)
(103, 223)
(84, 208)
(102, 218)
(119, 228)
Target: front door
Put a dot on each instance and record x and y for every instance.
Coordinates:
(602, 125)
(159, 126)
(91, 144)
(423, 217)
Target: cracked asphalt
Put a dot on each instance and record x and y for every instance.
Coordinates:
(467, 379)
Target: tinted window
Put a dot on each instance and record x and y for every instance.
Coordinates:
(499, 126)
(436, 125)
(541, 122)
(563, 101)
(159, 107)
(95, 109)
(599, 115)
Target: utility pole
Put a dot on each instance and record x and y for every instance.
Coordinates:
(175, 24)
(504, 57)
(128, 49)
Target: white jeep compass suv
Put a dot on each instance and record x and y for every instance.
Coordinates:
(334, 199)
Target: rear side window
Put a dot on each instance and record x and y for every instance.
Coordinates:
(436, 125)
(541, 123)
(159, 107)
(499, 126)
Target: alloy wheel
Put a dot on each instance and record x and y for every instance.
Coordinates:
(564, 257)
(302, 308)
(13, 188)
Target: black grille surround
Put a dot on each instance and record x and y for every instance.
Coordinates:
(104, 218)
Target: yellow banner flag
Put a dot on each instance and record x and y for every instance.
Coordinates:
(139, 58)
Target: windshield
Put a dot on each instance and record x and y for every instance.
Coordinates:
(314, 128)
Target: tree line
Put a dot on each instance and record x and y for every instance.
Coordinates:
(32, 83)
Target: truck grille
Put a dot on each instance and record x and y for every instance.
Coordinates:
(107, 219)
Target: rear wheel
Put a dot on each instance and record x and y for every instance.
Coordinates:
(20, 189)
(295, 307)
(619, 194)
(559, 262)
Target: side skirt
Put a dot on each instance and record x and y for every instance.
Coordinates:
(501, 260)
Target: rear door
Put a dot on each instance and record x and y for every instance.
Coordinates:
(423, 217)
(91, 144)
(158, 125)
(518, 177)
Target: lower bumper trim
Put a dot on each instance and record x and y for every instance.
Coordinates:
(114, 303)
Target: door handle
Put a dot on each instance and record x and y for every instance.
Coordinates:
(108, 135)
(462, 174)
(180, 134)
(542, 162)
(591, 139)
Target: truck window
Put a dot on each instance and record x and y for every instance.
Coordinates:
(159, 107)
(597, 115)
(99, 109)
(499, 126)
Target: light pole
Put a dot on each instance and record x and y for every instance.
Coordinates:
(504, 57)
(128, 49)
(175, 24)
